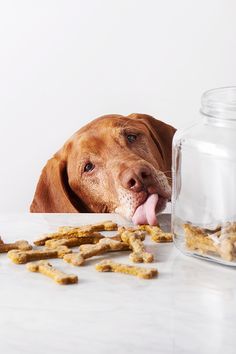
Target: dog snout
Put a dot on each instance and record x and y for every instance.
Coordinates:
(136, 178)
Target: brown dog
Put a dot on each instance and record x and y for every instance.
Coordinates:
(113, 164)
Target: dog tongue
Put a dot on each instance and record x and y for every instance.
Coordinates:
(146, 212)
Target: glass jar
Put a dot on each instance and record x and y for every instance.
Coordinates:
(204, 181)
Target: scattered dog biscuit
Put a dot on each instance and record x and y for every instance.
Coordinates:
(47, 269)
(116, 237)
(68, 235)
(73, 242)
(18, 245)
(75, 258)
(134, 240)
(88, 251)
(91, 243)
(157, 235)
(107, 243)
(101, 226)
(131, 229)
(110, 266)
(21, 257)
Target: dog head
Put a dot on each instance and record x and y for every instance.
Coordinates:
(113, 164)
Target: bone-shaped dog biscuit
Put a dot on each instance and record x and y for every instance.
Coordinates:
(157, 235)
(106, 243)
(21, 257)
(18, 245)
(87, 251)
(75, 258)
(227, 250)
(134, 240)
(68, 235)
(228, 227)
(225, 238)
(82, 231)
(101, 226)
(222, 230)
(227, 246)
(197, 239)
(116, 237)
(73, 242)
(132, 230)
(47, 269)
(110, 266)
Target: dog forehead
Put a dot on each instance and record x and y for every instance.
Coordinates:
(95, 140)
(91, 142)
(112, 121)
(103, 133)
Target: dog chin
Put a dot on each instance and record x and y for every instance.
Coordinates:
(124, 212)
(128, 203)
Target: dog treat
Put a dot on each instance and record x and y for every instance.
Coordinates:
(110, 266)
(132, 230)
(197, 239)
(227, 250)
(82, 231)
(116, 238)
(227, 246)
(68, 235)
(18, 245)
(128, 228)
(47, 269)
(134, 240)
(219, 230)
(228, 227)
(87, 251)
(157, 235)
(107, 243)
(101, 226)
(73, 242)
(211, 229)
(21, 257)
(75, 258)
(223, 246)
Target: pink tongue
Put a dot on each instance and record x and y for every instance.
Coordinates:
(146, 212)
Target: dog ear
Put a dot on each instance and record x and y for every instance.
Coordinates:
(162, 135)
(53, 193)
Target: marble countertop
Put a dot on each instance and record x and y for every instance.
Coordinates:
(189, 308)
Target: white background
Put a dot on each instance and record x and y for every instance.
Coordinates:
(63, 63)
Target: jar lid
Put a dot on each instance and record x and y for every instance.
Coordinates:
(220, 103)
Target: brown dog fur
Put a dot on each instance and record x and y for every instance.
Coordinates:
(124, 172)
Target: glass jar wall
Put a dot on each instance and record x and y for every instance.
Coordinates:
(204, 181)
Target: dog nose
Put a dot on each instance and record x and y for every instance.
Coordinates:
(136, 179)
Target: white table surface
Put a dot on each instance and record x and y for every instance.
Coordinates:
(189, 308)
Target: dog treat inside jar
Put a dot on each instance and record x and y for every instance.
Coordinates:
(204, 181)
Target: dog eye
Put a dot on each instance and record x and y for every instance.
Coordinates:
(88, 167)
(131, 138)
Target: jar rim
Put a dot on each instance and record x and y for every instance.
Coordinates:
(219, 103)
